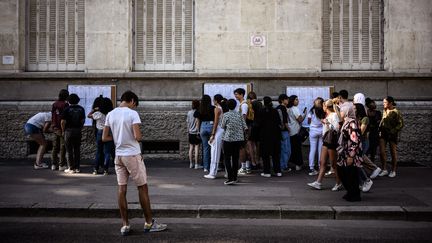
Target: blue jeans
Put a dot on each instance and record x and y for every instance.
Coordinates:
(285, 150)
(104, 152)
(205, 132)
(365, 147)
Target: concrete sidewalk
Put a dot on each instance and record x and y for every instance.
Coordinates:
(177, 191)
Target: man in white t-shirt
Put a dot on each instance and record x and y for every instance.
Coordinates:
(124, 122)
(345, 106)
(243, 109)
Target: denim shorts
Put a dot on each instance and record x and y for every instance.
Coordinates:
(31, 129)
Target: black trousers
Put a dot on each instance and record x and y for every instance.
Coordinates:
(270, 148)
(296, 150)
(73, 147)
(350, 180)
(231, 158)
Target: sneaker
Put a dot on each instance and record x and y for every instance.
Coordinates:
(241, 171)
(191, 166)
(95, 172)
(265, 175)
(69, 171)
(226, 176)
(105, 173)
(278, 174)
(367, 185)
(375, 173)
(383, 173)
(154, 227)
(77, 171)
(248, 170)
(53, 167)
(125, 230)
(228, 182)
(298, 167)
(313, 172)
(392, 174)
(40, 166)
(329, 173)
(209, 176)
(286, 170)
(315, 185)
(63, 168)
(198, 167)
(337, 187)
(205, 170)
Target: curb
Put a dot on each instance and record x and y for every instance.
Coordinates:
(98, 210)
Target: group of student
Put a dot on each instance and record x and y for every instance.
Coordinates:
(345, 134)
(117, 135)
(66, 121)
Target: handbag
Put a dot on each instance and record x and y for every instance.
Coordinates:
(303, 133)
(330, 137)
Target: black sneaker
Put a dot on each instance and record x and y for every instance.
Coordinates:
(228, 182)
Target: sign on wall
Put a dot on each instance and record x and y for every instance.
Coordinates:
(257, 40)
(88, 93)
(307, 95)
(225, 89)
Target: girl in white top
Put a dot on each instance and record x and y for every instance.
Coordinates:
(35, 127)
(330, 123)
(216, 138)
(315, 116)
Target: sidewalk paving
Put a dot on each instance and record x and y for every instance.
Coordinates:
(177, 191)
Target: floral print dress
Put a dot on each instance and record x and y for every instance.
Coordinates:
(350, 145)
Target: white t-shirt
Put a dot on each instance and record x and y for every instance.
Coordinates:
(331, 122)
(40, 118)
(244, 108)
(293, 124)
(99, 117)
(120, 120)
(315, 121)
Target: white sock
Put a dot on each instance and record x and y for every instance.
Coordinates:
(248, 164)
(243, 165)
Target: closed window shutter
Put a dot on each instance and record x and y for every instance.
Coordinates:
(352, 34)
(56, 35)
(163, 35)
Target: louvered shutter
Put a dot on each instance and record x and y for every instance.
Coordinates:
(56, 35)
(163, 35)
(352, 34)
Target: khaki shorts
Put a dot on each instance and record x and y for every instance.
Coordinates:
(132, 166)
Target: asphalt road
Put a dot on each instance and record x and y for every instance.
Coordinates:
(214, 230)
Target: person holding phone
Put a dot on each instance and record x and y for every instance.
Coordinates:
(294, 125)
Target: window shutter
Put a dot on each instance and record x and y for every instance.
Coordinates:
(352, 34)
(56, 35)
(163, 33)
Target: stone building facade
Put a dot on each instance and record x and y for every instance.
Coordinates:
(165, 50)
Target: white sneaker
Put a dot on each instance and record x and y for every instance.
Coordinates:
(154, 227)
(77, 171)
(69, 171)
(40, 166)
(191, 165)
(198, 167)
(315, 185)
(337, 187)
(384, 173)
(265, 175)
(209, 176)
(63, 168)
(125, 230)
(392, 174)
(298, 167)
(278, 174)
(367, 185)
(241, 171)
(53, 167)
(329, 173)
(313, 172)
(375, 173)
(205, 170)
